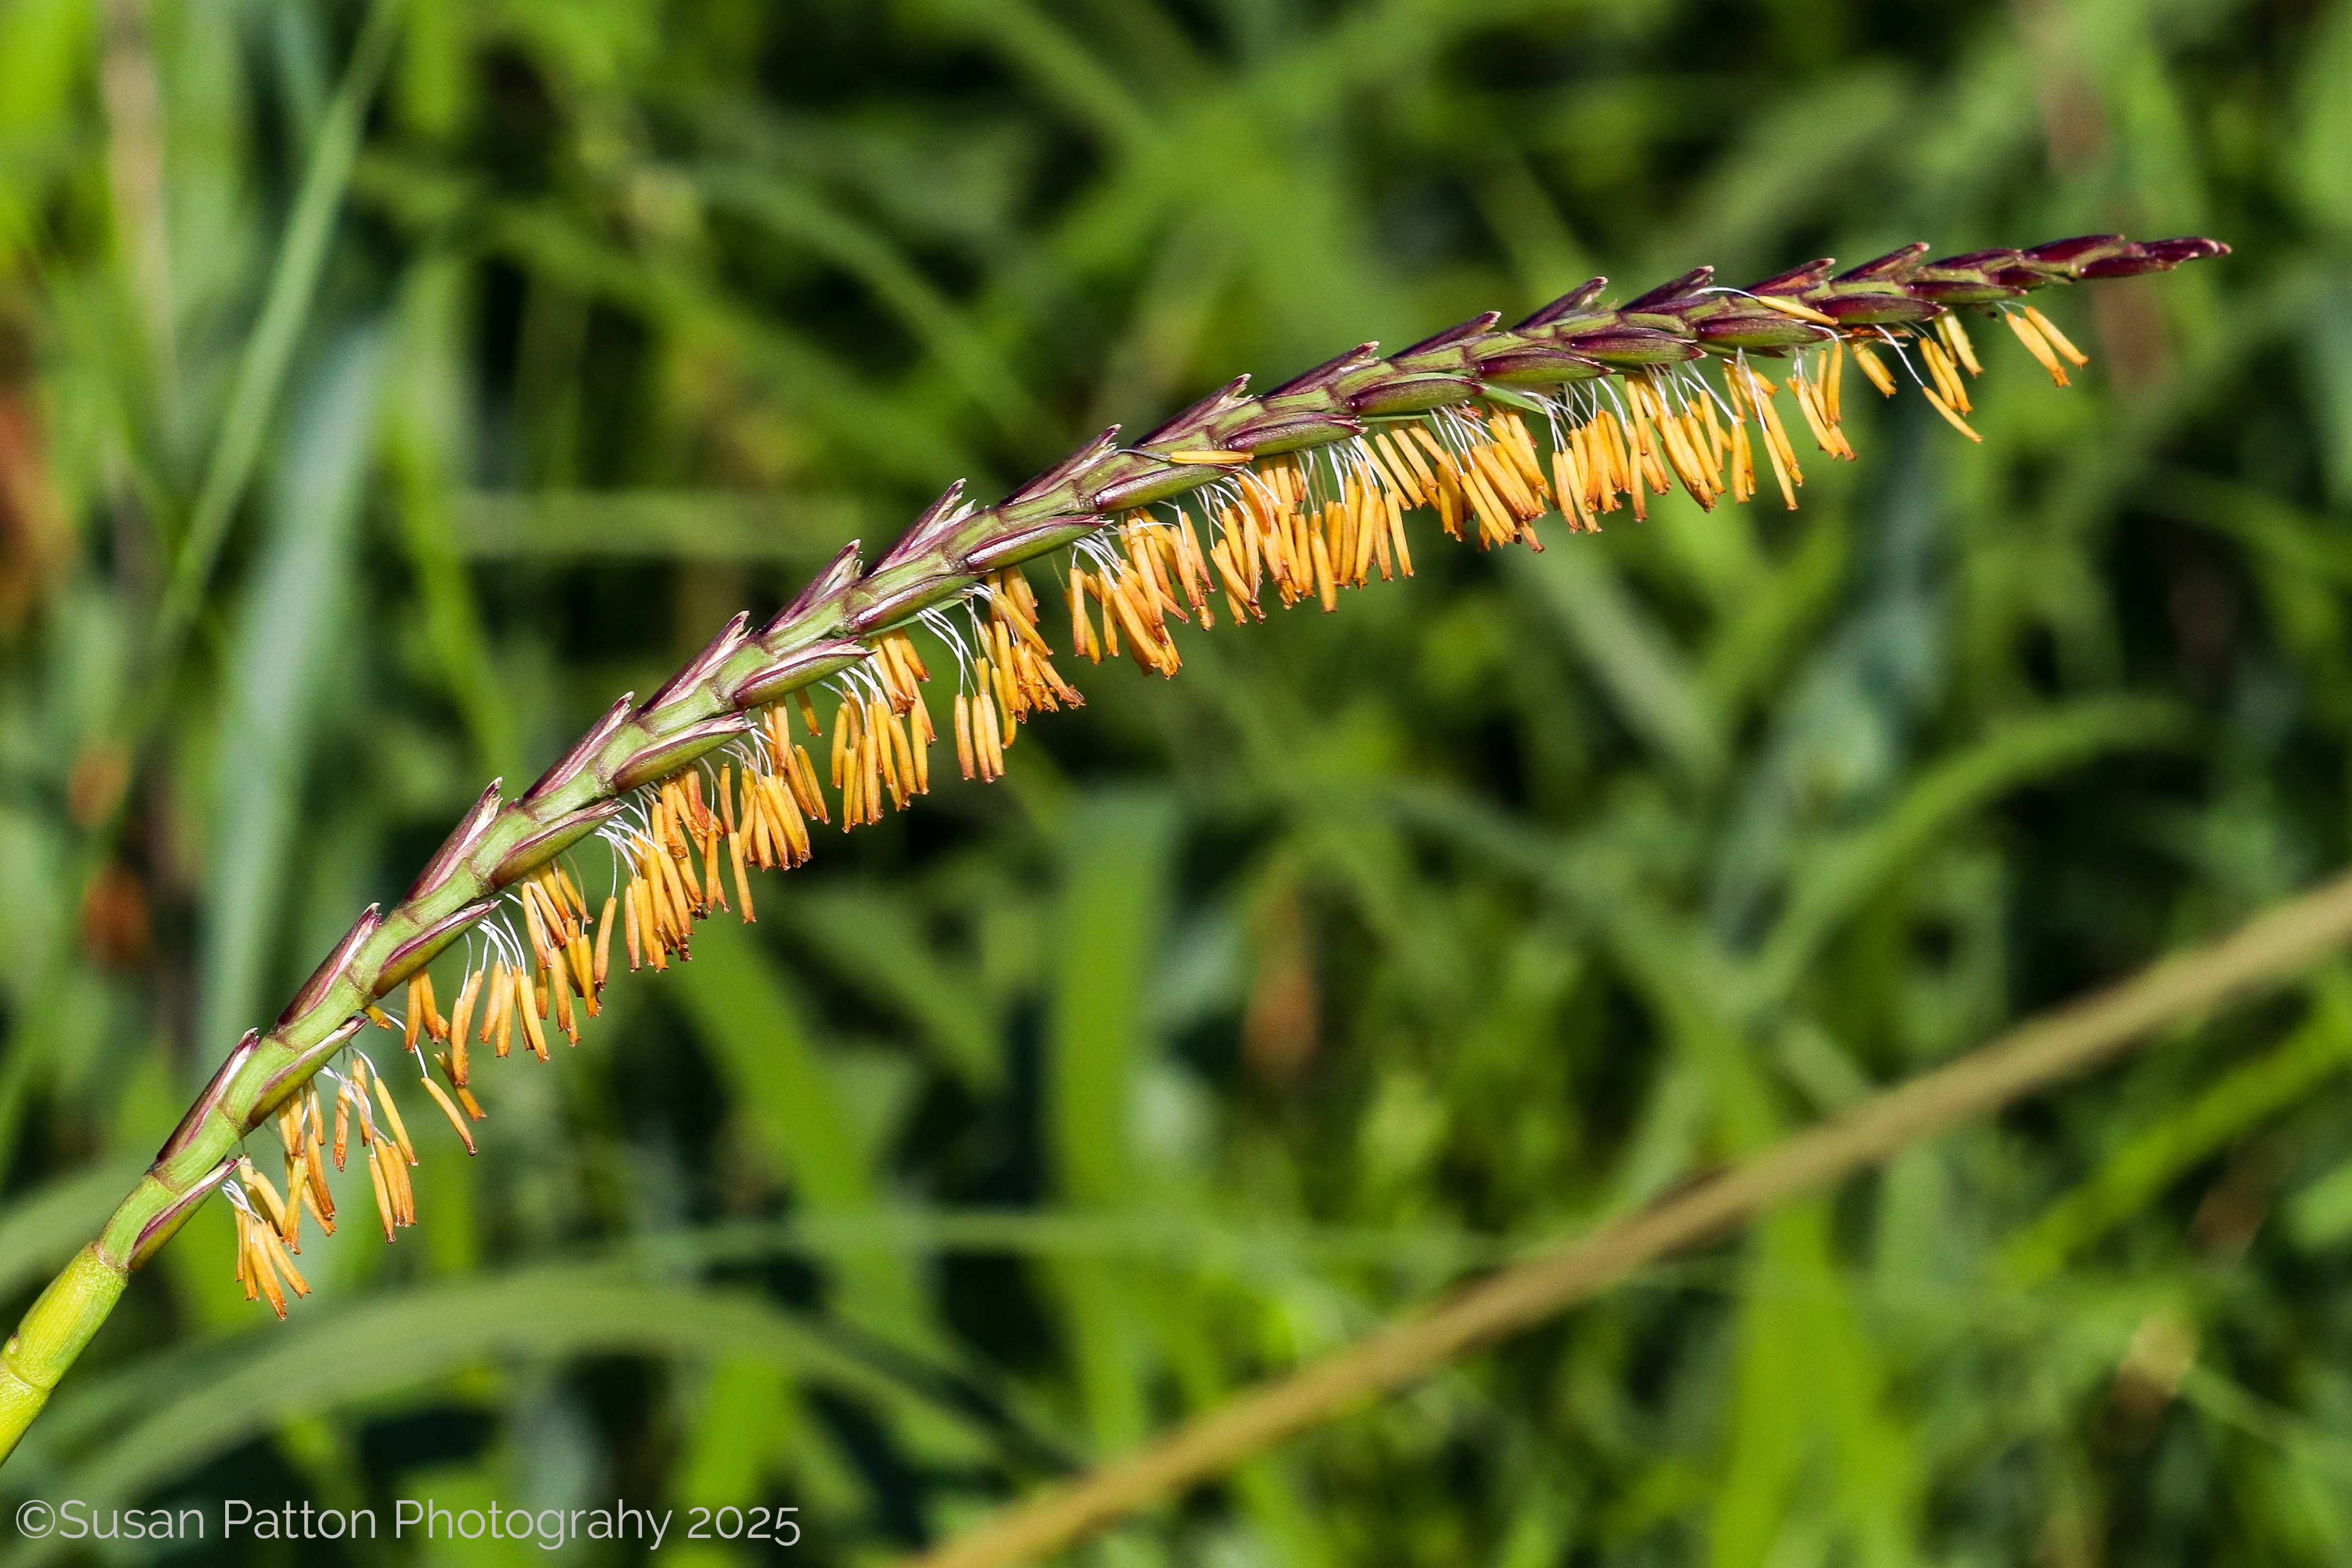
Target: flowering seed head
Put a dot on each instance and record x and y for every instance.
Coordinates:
(1305, 489)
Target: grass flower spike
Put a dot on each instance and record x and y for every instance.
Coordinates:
(1578, 412)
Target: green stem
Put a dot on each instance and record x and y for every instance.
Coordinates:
(947, 555)
(52, 1334)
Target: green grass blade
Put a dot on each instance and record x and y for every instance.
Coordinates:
(385, 1345)
(1843, 874)
(295, 631)
(2137, 1174)
(1644, 674)
(269, 351)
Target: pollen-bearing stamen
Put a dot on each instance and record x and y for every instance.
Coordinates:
(263, 1267)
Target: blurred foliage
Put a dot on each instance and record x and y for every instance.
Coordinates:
(1256, 1006)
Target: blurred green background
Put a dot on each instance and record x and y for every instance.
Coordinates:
(505, 349)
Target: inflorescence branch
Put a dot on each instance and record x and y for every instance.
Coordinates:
(1304, 487)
